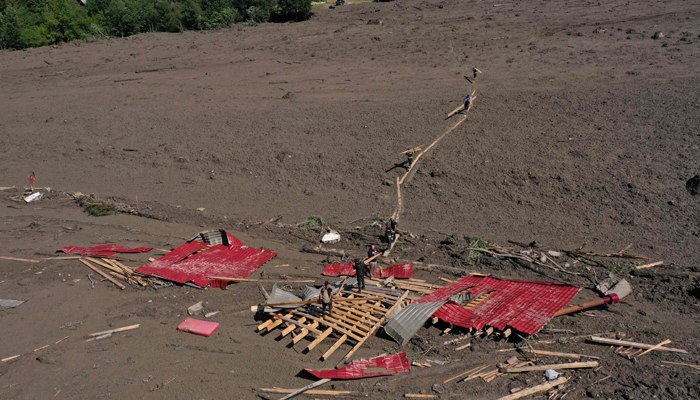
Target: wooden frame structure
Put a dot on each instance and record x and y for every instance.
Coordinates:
(352, 322)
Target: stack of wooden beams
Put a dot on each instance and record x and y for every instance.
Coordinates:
(120, 271)
(356, 317)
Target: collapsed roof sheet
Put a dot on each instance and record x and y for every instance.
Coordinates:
(409, 320)
(105, 250)
(397, 271)
(378, 366)
(233, 261)
(523, 305)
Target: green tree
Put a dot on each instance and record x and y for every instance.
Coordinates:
(169, 16)
(192, 15)
(11, 29)
(297, 10)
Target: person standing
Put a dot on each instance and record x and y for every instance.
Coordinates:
(326, 297)
(360, 272)
(373, 251)
(394, 225)
(389, 233)
(410, 154)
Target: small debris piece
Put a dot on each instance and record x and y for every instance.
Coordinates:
(195, 309)
(19, 259)
(33, 197)
(551, 374)
(655, 347)
(658, 35)
(10, 303)
(10, 358)
(650, 265)
(211, 314)
(198, 327)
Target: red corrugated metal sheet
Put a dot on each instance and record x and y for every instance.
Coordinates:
(105, 250)
(385, 365)
(397, 271)
(234, 261)
(523, 305)
(338, 270)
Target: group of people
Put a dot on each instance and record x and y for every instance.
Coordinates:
(361, 271)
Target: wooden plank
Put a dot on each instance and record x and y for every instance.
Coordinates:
(356, 321)
(104, 275)
(465, 373)
(650, 265)
(122, 329)
(463, 347)
(555, 354)
(265, 324)
(305, 388)
(420, 396)
(293, 327)
(598, 339)
(329, 324)
(297, 323)
(319, 339)
(310, 392)
(655, 347)
(353, 310)
(304, 332)
(334, 347)
(415, 148)
(574, 365)
(535, 389)
(354, 333)
(20, 259)
(684, 364)
(10, 358)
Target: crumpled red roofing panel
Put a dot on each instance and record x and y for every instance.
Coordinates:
(234, 261)
(523, 305)
(339, 269)
(398, 271)
(105, 250)
(385, 365)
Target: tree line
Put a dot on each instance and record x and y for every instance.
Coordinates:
(33, 23)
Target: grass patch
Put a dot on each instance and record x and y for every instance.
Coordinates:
(381, 218)
(100, 209)
(312, 223)
(450, 239)
(652, 332)
(562, 340)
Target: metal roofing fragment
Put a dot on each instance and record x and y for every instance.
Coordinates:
(278, 295)
(407, 322)
(391, 364)
(311, 293)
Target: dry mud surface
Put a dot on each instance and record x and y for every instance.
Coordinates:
(585, 129)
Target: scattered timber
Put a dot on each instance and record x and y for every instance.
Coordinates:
(223, 278)
(597, 339)
(104, 275)
(310, 392)
(574, 365)
(535, 389)
(665, 342)
(656, 264)
(684, 364)
(301, 303)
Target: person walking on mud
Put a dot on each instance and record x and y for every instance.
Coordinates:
(373, 264)
(389, 233)
(326, 297)
(476, 70)
(360, 272)
(467, 103)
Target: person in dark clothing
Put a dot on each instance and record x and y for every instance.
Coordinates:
(467, 103)
(326, 297)
(410, 157)
(389, 233)
(394, 224)
(360, 273)
(373, 264)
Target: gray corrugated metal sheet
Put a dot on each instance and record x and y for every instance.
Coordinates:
(10, 303)
(311, 293)
(462, 298)
(280, 296)
(406, 323)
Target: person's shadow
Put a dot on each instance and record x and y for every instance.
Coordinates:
(404, 164)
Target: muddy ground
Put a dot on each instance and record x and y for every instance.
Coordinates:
(584, 130)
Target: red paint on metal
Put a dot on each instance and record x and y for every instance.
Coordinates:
(523, 305)
(385, 365)
(106, 250)
(233, 261)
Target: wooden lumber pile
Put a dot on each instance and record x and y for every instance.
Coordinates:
(112, 268)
